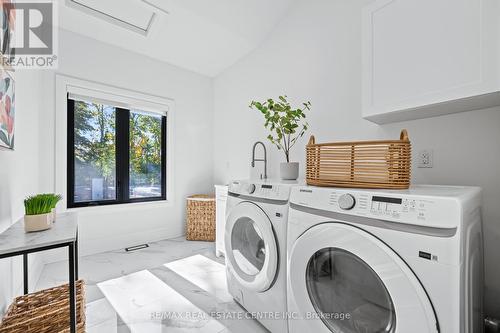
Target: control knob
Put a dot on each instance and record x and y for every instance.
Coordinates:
(347, 201)
(251, 188)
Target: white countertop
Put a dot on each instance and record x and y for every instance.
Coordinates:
(15, 239)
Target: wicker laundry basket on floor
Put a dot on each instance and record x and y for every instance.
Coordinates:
(45, 311)
(200, 218)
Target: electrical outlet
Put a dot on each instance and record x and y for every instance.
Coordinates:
(425, 158)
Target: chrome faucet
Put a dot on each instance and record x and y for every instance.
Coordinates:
(260, 160)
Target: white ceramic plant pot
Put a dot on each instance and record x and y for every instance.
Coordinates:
(289, 171)
(37, 222)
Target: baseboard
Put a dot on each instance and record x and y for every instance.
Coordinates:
(89, 246)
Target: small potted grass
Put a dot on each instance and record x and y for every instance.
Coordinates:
(39, 211)
(54, 199)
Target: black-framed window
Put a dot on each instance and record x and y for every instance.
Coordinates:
(115, 155)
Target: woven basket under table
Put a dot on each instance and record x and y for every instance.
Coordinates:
(45, 311)
(200, 218)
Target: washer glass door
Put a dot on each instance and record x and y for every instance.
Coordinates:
(251, 248)
(248, 247)
(338, 283)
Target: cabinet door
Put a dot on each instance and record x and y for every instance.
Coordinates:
(418, 53)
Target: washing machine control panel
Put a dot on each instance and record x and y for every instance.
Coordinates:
(260, 190)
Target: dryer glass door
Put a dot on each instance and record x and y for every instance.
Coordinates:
(353, 282)
(251, 247)
(338, 282)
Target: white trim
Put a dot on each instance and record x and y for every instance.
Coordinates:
(148, 104)
(66, 84)
(122, 207)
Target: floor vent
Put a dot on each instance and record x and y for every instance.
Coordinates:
(137, 247)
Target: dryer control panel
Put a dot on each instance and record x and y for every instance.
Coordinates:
(395, 206)
(403, 206)
(386, 205)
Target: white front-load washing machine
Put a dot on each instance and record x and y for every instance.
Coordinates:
(385, 261)
(255, 244)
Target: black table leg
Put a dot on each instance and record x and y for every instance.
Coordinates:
(76, 256)
(72, 288)
(25, 273)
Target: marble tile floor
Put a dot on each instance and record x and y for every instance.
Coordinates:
(172, 286)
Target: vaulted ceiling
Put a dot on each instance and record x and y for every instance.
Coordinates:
(205, 36)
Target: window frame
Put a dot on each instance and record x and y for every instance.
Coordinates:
(122, 160)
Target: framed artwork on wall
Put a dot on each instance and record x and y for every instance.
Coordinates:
(7, 108)
(7, 86)
(8, 22)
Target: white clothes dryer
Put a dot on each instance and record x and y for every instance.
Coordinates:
(385, 261)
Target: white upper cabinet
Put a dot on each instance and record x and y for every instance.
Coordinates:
(424, 58)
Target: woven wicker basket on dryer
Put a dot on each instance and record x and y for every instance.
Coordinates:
(362, 164)
(200, 218)
(45, 311)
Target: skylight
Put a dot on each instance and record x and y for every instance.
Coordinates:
(134, 15)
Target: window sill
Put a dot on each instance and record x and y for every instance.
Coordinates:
(123, 206)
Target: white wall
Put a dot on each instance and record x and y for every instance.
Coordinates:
(19, 178)
(106, 228)
(315, 54)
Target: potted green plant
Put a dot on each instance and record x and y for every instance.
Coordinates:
(53, 199)
(286, 124)
(38, 213)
